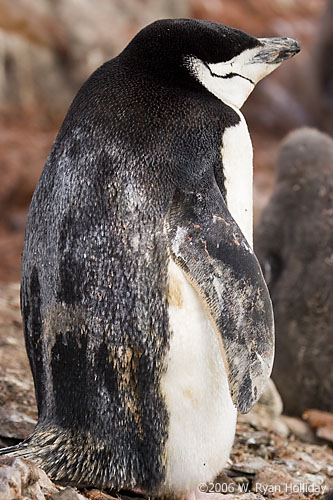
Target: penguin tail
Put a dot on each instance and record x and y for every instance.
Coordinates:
(23, 450)
(65, 457)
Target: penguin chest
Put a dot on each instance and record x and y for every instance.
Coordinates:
(202, 417)
(237, 159)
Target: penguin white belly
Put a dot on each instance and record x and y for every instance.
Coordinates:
(202, 417)
(237, 158)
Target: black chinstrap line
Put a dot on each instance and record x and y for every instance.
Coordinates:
(229, 75)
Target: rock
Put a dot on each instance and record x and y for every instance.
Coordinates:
(289, 461)
(250, 466)
(91, 33)
(258, 439)
(317, 88)
(45, 483)
(301, 462)
(10, 482)
(322, 422)
(300, 429)
(271, 400)
(225, 479)
(273, 480)
(32, 43)
(15, 425)
(67, 494)
(21, 479)
(259, 417)
(17, 396)
(306, 463)
(45, 56)
(97, 495)
(266, 413)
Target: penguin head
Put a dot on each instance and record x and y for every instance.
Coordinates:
(225, 61)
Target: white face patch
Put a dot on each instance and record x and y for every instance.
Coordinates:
(232, 81)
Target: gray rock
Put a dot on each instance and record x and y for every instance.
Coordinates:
(271, 400)
(14, 424)
(300, 429)
(67, 494)
(10, 482)
(251, 466)
(21, 479)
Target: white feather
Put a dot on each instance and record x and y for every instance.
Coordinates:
(235, 89)
(202, 417)
(237, 158)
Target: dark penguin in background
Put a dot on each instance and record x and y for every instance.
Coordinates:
(294, 243)
(147, 319)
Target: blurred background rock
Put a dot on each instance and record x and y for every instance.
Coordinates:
(49, 47)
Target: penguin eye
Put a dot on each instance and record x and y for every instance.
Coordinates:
(226, 71)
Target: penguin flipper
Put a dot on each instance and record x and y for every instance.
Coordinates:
(205, 241)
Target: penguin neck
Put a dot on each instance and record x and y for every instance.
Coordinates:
(237, 160)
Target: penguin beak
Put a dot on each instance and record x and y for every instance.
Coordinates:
(276, 50)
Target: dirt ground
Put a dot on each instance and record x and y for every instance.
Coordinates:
(273, 456)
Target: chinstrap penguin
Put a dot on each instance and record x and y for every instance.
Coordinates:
(146, 316)
(294, 243)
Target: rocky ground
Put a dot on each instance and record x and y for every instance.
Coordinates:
(47, 50)
(273, 456)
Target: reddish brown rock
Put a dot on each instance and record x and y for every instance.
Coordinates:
(322, 422)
